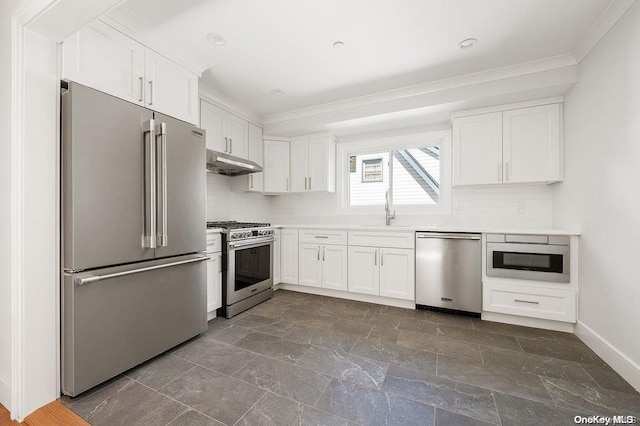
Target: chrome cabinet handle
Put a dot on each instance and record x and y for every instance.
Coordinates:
(305, 184)
(526, 301)
(375, 258)
(506, 177)
(226, 145)
(381, 257)
(321, 236)
(149, 236)
(141, 89)
(96, 278)
(309, 183)
(318, 252)
(219, 263)
(324, 251)
(499, 167)
(287, 184)
(251, 182)
(150, 92)
(230, 146)
(161, 176)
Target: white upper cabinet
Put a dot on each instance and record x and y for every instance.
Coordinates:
(103, 58)
(226, 132)
(276, 166)
(214, 121)
(255, 181)
(98, 56)
(477, 147)
(313, 164)
(170, 88)
(513, 145)
(531, 139)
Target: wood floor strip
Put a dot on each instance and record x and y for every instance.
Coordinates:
(51, 414)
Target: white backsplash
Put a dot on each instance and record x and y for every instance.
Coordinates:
(227, 200)
(481, 206)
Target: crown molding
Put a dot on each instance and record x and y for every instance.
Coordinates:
(553, 63)
(539, 79)
(213, 96)
(601, 26)
(188, 62)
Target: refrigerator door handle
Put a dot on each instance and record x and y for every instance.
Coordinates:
(161, 176)
(149, 233)
(96, 278)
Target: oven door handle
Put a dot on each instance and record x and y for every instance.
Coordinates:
(252, 243)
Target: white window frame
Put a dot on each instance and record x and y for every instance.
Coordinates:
(441, 139)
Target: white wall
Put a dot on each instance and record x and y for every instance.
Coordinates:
(601, 196)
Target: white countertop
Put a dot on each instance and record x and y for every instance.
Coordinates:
(439, 228)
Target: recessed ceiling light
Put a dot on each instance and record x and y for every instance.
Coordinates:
(216, 39)
(338, 45)
(277, 92)
(467, 43)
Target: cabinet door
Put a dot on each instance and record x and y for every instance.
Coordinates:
(100, 57)
(397, 273)
(214, 121)
(300, 165)
(214, 282)
(364, 270)
(255, 181)
(277, 247)
(531, 143)
(237, 129)
(310, 265)
(322, 164)
(289, 256)
(477, 149)
(334, 267)
(276, 166)
(170, 89)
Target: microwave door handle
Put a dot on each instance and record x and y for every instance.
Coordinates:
(161, 176)
(149, 232)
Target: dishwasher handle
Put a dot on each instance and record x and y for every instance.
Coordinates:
(448, 236)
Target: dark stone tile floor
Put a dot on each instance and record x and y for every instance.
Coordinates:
(302, 359)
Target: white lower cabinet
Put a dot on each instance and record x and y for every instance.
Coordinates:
(550, 303)
(214, 281)
(323, 266)
(397, 269)
(380, 271)
(276, 258)
(289, 256)
(364, 270)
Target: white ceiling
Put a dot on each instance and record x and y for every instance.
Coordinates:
(287, 44)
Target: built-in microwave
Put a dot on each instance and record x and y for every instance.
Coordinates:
(528, 257)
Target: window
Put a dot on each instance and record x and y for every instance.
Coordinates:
(409, 169)
(372, 170)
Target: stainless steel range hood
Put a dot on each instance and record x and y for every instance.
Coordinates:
(225, 164)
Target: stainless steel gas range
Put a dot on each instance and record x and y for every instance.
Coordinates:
(247, 265)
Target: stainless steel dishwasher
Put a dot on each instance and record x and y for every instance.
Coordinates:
(449, 271)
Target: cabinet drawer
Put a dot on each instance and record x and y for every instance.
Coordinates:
(214, 242)
(382, 239)
(537, 302)
(323, 236)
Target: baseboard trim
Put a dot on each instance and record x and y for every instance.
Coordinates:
(621, 363)
(380, 300)
(5, 394)
(567, 327)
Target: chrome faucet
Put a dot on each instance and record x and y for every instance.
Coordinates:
(387, 213)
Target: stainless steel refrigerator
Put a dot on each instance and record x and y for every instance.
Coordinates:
(133, 228)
